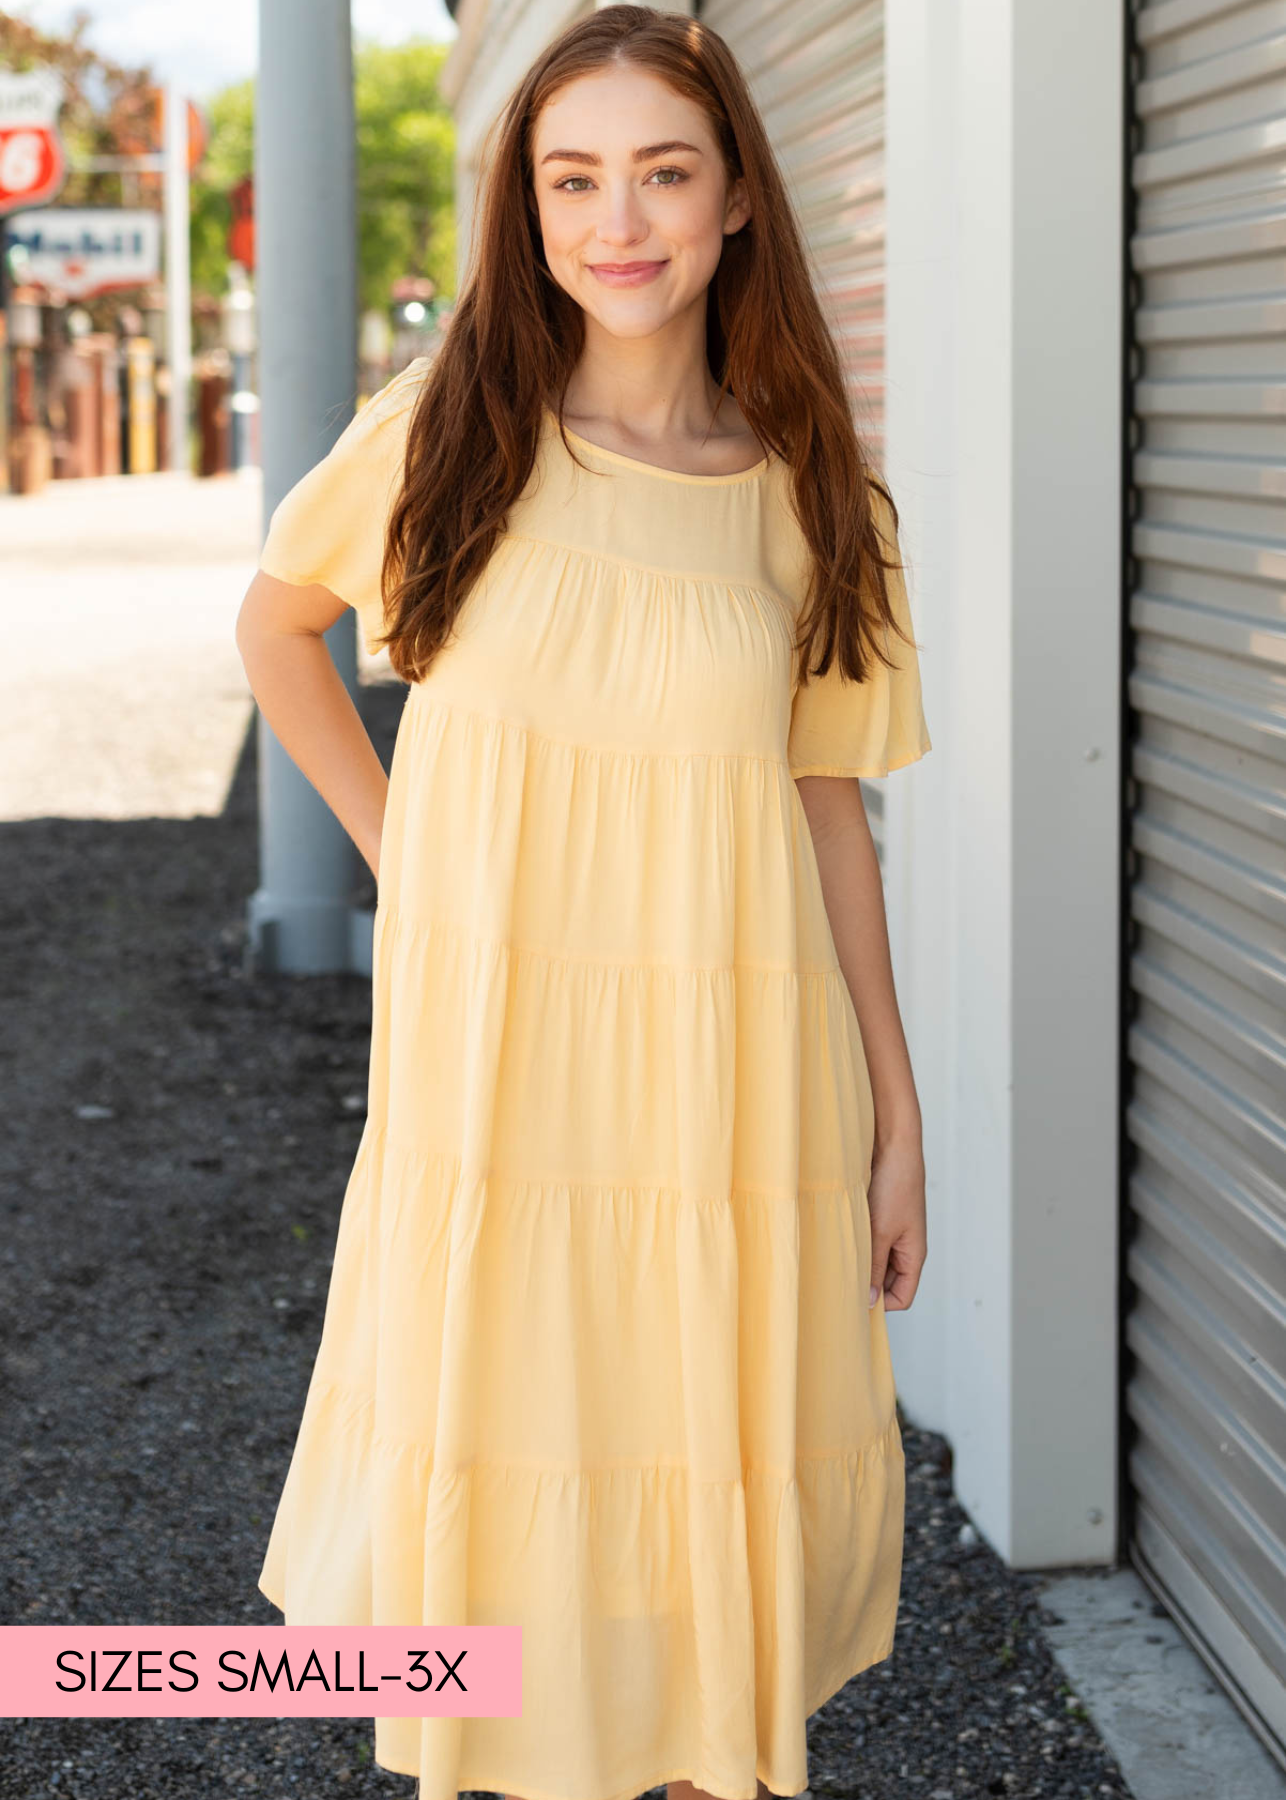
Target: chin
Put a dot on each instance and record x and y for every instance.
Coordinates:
(632, 325)
(624, 314)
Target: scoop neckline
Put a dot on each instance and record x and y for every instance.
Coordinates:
(647, 468)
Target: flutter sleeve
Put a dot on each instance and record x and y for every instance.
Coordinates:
(843, 727)
(330, 526)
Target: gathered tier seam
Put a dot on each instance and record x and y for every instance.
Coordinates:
(804, 1190)
(424, 702)
(606, 1184)
(629, 562)
(362, 1400)
(398, 918)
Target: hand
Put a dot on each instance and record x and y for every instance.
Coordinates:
(898, 1231)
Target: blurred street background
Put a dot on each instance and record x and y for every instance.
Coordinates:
(127, 213)
(118, 703)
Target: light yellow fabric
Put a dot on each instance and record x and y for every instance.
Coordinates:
(597, 1359)
(330, 526)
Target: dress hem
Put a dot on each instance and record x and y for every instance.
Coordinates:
(474, 1783)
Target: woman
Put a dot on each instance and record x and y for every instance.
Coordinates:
(599, 1358)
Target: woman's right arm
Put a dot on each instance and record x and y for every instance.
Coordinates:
(300, 693)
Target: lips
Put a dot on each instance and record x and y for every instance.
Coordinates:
(632, 274)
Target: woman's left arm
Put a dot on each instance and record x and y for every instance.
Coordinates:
(853, 891)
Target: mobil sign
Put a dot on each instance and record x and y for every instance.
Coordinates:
(32, 164)
(87, 250)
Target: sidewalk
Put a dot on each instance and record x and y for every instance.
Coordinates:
(177, 1137)
(122, 690)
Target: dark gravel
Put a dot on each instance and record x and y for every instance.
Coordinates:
(163, 1270)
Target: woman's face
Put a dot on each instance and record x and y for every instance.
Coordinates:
(633, 197)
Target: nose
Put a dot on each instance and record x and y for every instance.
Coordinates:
(623, 220)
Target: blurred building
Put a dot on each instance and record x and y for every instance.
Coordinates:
(1054, 244)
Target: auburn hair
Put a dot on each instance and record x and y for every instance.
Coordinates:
(515, 336)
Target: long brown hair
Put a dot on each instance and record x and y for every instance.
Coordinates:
(515, 337)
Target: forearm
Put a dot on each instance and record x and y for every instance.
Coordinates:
(853, 891)
(299, 691)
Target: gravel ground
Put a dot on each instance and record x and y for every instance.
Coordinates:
(176, 1141)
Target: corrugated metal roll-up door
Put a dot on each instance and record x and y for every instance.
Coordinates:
(1205, 1122)
(817, 75)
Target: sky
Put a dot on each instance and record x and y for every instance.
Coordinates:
(205, 47)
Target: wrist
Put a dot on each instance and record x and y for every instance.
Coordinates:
(900, 1129)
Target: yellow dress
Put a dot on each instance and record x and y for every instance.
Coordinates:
(597, 1358)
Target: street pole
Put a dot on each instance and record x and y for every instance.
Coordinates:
(178, 284)
(302, 918)
(239, 340)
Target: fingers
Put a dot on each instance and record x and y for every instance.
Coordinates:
(895, 1272)
(901, 1291)
(879, 1264)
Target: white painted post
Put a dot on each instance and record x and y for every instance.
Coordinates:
(1005, 249)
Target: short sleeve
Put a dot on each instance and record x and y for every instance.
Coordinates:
(330, 527)
(843, 727)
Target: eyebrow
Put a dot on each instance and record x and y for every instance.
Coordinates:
(645, 154)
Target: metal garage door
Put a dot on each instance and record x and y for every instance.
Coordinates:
(1205, 1231)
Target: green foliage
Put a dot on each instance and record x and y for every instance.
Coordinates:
(228, 157)
(103, 110)
(405, 169)
(405, 173)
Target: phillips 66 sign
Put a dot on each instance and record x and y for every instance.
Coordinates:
(32, 165)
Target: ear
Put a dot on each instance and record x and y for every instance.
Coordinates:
(736, 209)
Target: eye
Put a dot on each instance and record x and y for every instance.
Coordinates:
(680, 175)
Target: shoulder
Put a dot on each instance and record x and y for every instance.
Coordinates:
(374, 440)
(397, 397)
(345, 493)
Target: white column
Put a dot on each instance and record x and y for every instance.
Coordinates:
(920, 133)
(1004, 426)
(302, 918)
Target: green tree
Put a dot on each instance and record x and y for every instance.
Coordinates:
(405, 169)
(229, 155)
(405, 173)
(106, 109)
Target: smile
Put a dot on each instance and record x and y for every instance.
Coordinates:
(626, 274)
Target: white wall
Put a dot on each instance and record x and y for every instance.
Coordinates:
(497, 43)
(1003, 448)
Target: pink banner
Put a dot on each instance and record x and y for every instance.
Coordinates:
(253, 1671)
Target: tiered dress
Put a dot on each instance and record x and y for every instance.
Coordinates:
(597, 1358)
